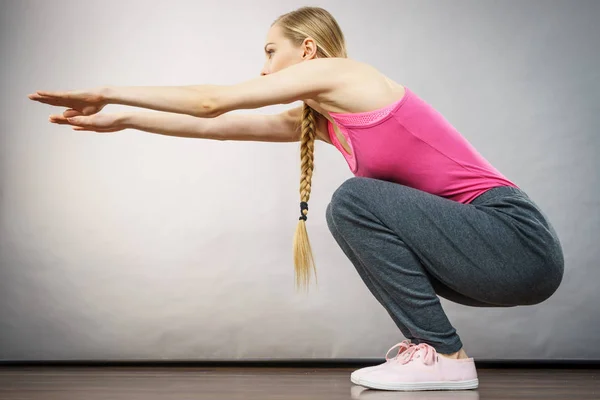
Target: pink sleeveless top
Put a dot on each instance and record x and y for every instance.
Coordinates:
(410, 143)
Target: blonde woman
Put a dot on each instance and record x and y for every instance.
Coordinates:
(425, 215)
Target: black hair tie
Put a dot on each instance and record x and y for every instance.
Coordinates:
(303, 206)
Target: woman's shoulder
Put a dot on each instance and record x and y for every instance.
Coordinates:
(365, 88)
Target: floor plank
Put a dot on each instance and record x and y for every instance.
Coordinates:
(183, 383)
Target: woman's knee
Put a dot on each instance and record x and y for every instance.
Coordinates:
(546, 286)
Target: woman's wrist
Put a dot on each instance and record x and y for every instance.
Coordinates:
(108, 94)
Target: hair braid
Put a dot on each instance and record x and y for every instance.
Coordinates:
(303, 257)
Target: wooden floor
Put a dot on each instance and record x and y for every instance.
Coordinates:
(262, 383)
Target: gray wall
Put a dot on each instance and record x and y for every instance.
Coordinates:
(141, 246)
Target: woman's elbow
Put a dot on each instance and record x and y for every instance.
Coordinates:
(207, 108)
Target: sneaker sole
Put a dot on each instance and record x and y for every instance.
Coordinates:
(413, 386)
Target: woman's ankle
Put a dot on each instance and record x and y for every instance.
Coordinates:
(456, 356)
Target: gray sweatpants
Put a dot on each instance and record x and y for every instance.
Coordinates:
(410, 246)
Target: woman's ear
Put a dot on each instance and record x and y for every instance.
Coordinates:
(310, 48)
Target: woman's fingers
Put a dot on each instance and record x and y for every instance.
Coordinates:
(71, 113)
(36, 96)
(76, 119)
(58, 119)
(81, 120)
(53, 101)
(86, 102)
(70, 94)
(62, 118)
(93, 123)
(101, 121)
(91, 109)
(87, 96)
(52, 94)
(99, 130)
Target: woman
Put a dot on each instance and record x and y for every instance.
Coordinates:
(425, 215)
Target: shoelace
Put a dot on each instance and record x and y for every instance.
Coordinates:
(404, 345)
(424, 351)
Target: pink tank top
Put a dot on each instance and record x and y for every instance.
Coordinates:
(410, 143)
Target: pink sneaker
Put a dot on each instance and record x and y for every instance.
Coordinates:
(359, 373)
(421, 368)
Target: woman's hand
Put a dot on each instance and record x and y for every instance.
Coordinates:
(84, 102)
(104, 122)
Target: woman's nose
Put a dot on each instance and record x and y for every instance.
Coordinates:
(265, 69)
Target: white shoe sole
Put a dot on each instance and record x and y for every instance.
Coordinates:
(413, 386)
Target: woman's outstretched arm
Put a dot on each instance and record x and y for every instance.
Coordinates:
(311, 79)
(235, 127)
(297, 82)
(282, 127)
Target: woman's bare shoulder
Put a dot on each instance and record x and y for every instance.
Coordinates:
(365, 89)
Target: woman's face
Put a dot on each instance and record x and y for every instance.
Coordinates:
(281, 53)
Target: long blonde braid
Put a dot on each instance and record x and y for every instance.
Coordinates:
(303, 257)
